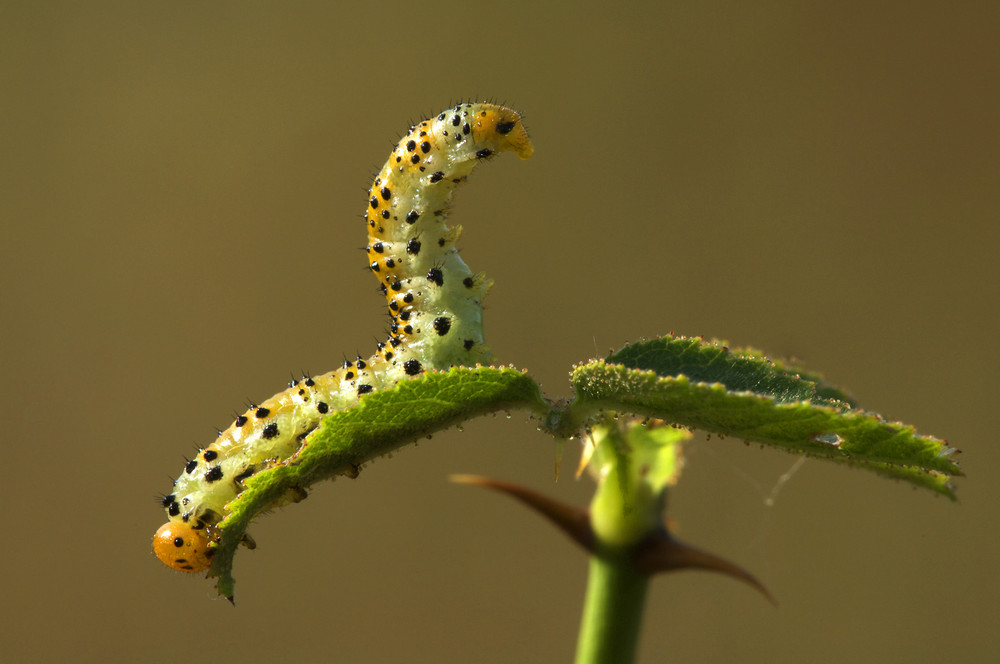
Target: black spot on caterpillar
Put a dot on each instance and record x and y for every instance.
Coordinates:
(432, 328)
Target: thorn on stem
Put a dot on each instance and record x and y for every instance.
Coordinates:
(573, 521)
(662, 553)
(658, 553)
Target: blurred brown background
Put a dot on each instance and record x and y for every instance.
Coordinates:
(181, 187)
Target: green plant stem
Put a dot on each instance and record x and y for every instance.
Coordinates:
(612, 610)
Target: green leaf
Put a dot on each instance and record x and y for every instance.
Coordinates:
(706, 386)
(384, 421)
(742, 370)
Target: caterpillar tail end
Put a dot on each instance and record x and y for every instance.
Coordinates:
(525, 149)
(519, 143)
(507, 123)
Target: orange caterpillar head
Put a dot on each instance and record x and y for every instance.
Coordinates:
(181, 547)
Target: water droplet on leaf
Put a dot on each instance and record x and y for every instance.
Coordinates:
(828, 439)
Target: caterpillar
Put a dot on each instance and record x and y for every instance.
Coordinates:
(435, 305)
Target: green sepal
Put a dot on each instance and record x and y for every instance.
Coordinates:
(384, 421)
(633, 466)
(706, 386)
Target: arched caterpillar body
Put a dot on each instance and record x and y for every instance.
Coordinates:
(435, 303)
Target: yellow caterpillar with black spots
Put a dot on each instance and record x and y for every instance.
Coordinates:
(435, 303)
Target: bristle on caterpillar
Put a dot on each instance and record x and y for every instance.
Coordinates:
(435, 309)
